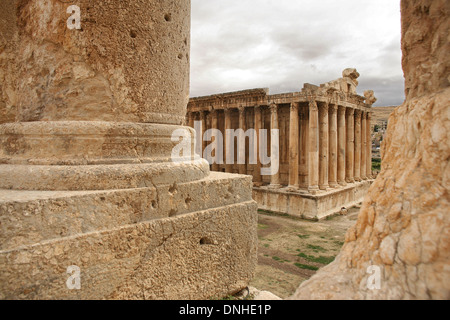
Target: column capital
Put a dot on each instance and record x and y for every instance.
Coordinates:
(341, 110)
(333, 108)
(324, 107)
(213, 112)
(333, 98)
(227, 111)
(350, 111)
(313, 104)
(241, 110)
(273, 107)
(358, 113)
(295, 106)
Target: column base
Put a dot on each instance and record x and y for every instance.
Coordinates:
(313, 189)
(257, 184)
(123, 250)
(294, 188)
(275, 186)
(334, 185)
(324, 187)
(342, 183)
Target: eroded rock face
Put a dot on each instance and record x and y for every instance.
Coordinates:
(404, 223)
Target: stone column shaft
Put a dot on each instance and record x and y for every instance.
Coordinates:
(204, 129)
(350, 150)
(215, 125)
(228, 166)
(323, 146)
(191, 119)
(257, 178)
(242, 143)
(357, 167)
(293, 146)
(341, 133)
(333, 144)
(275, 177)
(304, 147)
(313, 147)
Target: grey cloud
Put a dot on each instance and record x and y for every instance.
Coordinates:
(281, 44)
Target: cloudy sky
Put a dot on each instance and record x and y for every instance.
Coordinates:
(281, 44)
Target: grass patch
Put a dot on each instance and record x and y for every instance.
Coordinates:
(376, 164)
(277, 259)
(305, 266)
(262, 226)
(321, 259)
(316, 248)
(303, 236)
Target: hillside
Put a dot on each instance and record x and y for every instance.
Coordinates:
(381, 114)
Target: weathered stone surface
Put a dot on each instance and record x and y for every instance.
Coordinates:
(27, 217)
(197, 255)
(51, 73)
(307, 206)
(88, 176)
(404, 224)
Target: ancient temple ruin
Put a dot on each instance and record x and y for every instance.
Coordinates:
(325, 147)
(93, 204)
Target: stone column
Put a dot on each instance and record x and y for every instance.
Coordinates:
(275, 177)
(204, 128)
(242, 142)
(191, 119)
(228, 166)
(369, 147)
(313, 147)
(294, 138)
(333, 141)
(257, 178)
(215, 125)
(341, 133)
(357, 168)
(91, 147)
(323, 146)
(304, 147)
(364, 146)
(350, 150)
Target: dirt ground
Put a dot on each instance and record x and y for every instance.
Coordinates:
(291, 250)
